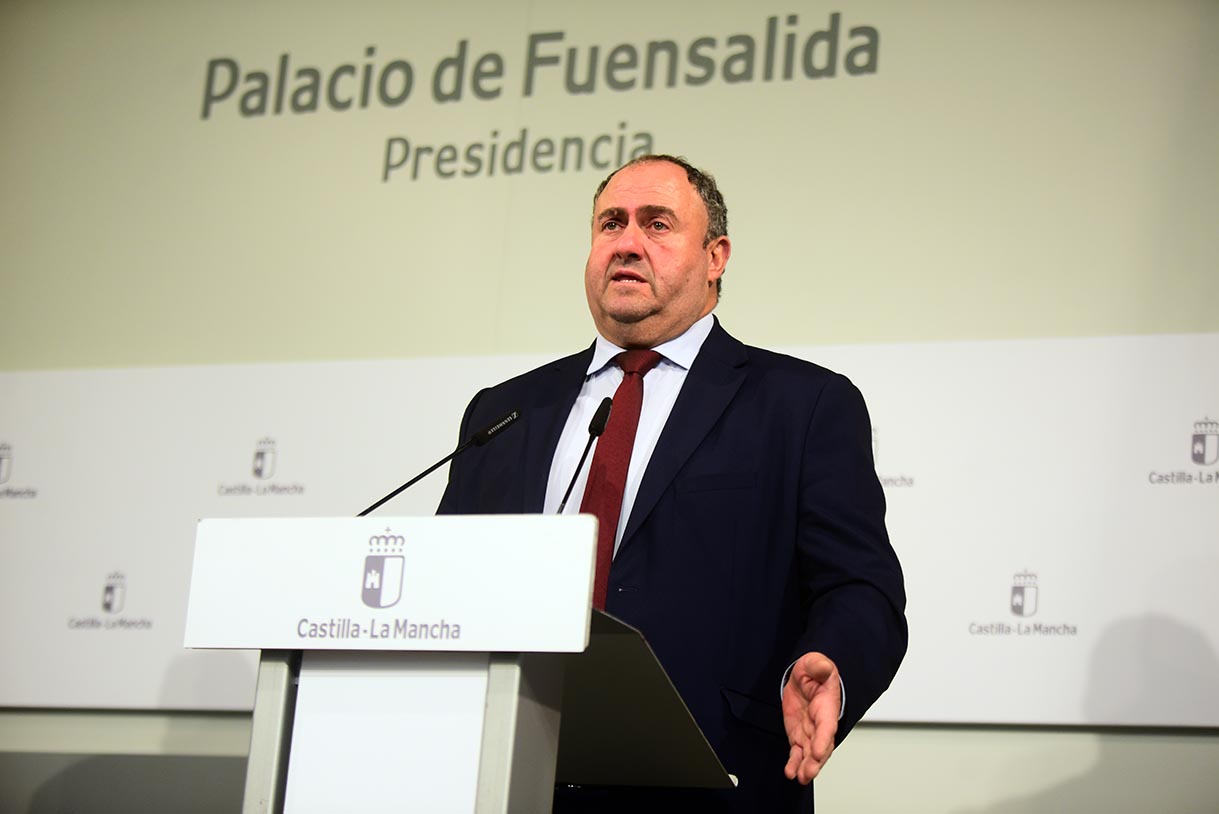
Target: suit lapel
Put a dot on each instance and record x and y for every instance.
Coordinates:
(714, 378)
(545, 417)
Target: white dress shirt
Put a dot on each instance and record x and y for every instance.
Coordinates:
(660, 388)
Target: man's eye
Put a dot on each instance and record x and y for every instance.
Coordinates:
(659, 225)
(609, 226)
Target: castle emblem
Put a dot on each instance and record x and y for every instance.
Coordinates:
(383, 570)
(114, 594)
(1024, 594)
(1205, 443)
(264, 459)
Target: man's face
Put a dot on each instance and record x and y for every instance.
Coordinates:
(649, 277)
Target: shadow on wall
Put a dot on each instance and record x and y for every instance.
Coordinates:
(132, 784)
(198, 769)
(1144, 669)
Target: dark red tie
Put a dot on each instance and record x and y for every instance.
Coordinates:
(607, 474)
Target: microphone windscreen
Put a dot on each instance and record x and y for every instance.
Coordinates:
(487, 433)
(600, 418)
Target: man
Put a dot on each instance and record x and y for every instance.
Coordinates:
(750, 548)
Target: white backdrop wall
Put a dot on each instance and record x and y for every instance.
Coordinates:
(1013, 200)
(1010, 522)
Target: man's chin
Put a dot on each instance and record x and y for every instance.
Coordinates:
(629, 316)
(629, 308)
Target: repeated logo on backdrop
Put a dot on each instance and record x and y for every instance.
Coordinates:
(264, 459)
(1024, 600)
(264, 466)
(6, 473)
(1203, 452)
(113, 603)
(1205, 443)
(1024, 594)
(888, 480)
(115, 593)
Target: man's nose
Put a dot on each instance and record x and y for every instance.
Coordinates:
(629, 244)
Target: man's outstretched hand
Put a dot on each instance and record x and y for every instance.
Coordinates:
(812, 700)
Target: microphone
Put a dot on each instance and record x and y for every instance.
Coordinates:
(477, 439)
(595, 428)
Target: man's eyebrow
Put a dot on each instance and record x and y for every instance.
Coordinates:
(611, 213)
(649, 212)
(646, 212)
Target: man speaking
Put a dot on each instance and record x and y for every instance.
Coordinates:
(736, 494)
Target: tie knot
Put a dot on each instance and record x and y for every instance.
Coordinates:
(637, 361)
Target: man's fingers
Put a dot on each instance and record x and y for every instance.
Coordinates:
(816, 755)
(809, 770)
(802, 765)
(794, 759)
(822, 747)
(824, 728)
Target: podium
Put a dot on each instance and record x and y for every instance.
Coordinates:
(435, 664)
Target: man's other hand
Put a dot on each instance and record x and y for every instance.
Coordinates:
(812, 700)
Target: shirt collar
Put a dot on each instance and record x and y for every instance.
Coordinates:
(679, 351)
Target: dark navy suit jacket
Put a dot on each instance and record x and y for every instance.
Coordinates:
(757, 535)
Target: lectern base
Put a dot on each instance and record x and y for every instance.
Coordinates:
(435, 732)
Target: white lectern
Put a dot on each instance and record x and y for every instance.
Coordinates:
(435, 664)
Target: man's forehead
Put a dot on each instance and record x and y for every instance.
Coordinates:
(652, 184)
(659, 175)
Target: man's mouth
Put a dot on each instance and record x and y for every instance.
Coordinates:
(624, 276)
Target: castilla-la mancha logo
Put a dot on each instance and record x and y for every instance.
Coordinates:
(6, 462)
(264, 459)
(1024, 594)
(1205, 444)
(383, 568)
(114, 594)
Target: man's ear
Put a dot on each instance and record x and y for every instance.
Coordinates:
(718, 252)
